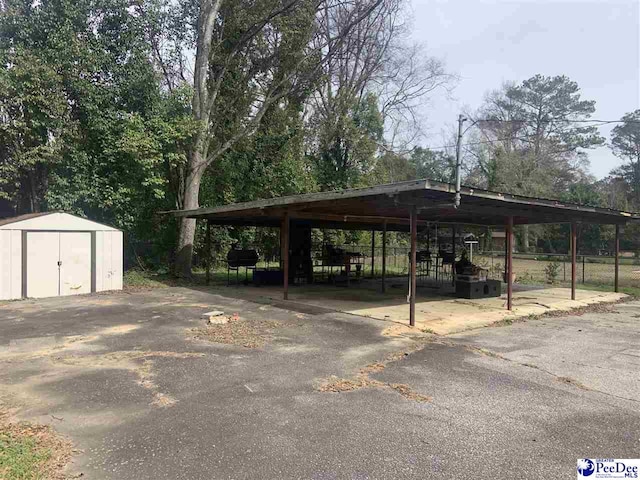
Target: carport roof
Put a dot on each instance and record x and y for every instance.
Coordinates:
(371, 207)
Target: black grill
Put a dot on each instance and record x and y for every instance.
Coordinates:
(242, 258)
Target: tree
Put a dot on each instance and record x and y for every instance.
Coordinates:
(433, 165)
(391, 167)
(532, 138)
(347, 142)
(365, 104)
(249, 56)
(102, 112)
(34, 116)
(269, 163)
(625, 143)
(532, 128)
(616, 191)
(591, 238)
(419, 163)
(85, 126)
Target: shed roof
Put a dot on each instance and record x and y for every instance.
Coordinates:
(20, 218)
(52, 221)
(370, 207)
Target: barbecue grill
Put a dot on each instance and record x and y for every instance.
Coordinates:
(237, 258)
(422, 256)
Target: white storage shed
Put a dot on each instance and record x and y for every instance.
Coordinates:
(53, 254)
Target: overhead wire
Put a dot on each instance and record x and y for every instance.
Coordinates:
(590, 120)
(526, 137)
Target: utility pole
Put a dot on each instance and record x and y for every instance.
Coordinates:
(461, 120)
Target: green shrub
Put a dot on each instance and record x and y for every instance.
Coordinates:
(552, 271)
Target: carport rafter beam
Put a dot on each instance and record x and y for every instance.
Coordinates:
(434, 210)
(368, 219)
(275, 222)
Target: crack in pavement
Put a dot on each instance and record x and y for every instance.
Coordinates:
(560, 378)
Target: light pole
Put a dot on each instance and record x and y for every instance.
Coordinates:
(461, 120)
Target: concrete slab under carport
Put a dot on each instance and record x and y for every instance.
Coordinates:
(436, 312)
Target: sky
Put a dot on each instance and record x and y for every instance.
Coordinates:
(488, 42)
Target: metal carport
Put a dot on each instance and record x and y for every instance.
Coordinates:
(404, 206)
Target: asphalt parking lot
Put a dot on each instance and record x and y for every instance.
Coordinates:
(144, 395)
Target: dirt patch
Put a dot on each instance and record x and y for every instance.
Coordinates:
(363, 380)
(397, 330)
(336, 385)
(119, 359)
(402, 330)
(31, 451)
(608, 307)
(163, 400)
(373, 368)
(119, 329)
(408, 393)
(417, 345)
(572, 381)
(238, 331)
(34, 348)
(125, 360)
(605, 307)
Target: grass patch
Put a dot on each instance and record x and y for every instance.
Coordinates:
(631, 291)
(31, 452)
(20, 457)
(136, 279)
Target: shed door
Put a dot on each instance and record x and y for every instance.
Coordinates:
(43, 254)
(107, 273)
(116, 260)
(75, 263)
(58, 263)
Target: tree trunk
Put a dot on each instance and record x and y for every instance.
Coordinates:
(34, 204)
(197, 161)
(184, 253)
